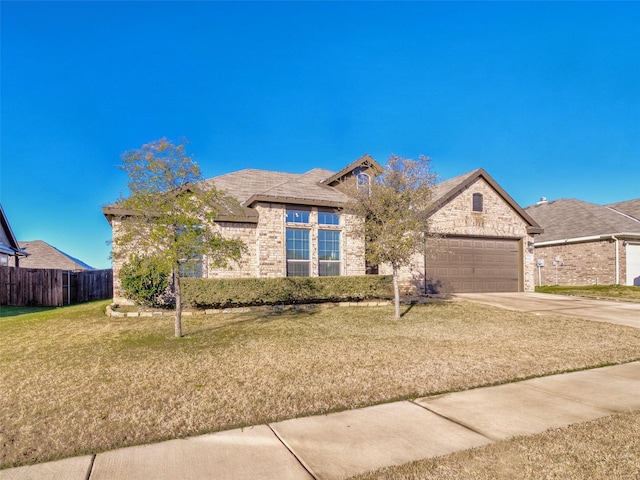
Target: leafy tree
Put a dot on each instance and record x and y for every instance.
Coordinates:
(170, 215)
(396, 211)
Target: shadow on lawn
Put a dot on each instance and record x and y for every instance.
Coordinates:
(6, 312)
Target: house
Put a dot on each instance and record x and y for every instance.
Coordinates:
(43, 255)
(587, 244)
(485, 240)
(295, 225)
(10, 250)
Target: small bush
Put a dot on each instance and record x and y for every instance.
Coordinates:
(240, 292)
(145, 280)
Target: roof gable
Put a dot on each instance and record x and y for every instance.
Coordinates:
(8, 243)
(365, 161)
(445, 191)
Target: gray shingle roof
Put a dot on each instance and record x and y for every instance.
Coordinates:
(251, 185)
(629, 207)
(569, 218)
(43, 255)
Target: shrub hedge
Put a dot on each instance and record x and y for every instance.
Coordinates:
(242, 292)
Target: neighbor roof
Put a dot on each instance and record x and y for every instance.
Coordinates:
(569, 218)
(629, 207)
(43, 255)
(8, 243)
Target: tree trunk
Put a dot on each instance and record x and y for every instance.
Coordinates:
(396, 293)
(178, 293)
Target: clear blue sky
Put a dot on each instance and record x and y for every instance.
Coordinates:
(545, 96)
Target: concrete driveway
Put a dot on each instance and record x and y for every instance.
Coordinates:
(621, 313)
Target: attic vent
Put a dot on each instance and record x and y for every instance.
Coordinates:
(542, 200)
(477, 202)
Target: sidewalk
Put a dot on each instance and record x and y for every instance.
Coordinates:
(342, 444)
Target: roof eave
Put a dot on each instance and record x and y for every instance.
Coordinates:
(294, 201)
(590, 238)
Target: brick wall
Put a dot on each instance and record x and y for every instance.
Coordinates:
(266, 244)
(497, 219)
(586, 263)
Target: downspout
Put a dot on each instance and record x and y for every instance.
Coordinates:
(613, 237)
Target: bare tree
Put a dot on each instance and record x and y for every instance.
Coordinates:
(171, 216)
(395, 207)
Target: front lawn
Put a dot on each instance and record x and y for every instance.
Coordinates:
(603, 449)
(618, 292)
(73, 381)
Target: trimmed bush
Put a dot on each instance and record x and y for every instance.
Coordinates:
(241, 292)
(145, 280)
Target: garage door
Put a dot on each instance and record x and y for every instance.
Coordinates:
(633, 264)
(464, 265)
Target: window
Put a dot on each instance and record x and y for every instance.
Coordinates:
(297, 252)
(328, 253)
(362, 179)
(297, 216)
(477, 202)
(192, 268)
(4, 260)
(328, 218)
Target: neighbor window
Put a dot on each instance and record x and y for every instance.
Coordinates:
(328, 253)
(297, 252)
(477, 202)
(297, 216)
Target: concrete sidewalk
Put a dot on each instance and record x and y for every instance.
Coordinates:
(342, 444)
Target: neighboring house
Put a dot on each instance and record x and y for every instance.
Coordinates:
(43, 255)
(10, 251)
(587, 244)
(295, 225)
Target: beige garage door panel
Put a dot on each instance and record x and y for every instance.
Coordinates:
(474, 265)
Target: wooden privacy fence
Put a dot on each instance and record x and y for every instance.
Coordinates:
(45, 287)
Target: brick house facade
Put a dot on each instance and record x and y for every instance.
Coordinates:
(294, 224)
(587, 244)
(483, 241)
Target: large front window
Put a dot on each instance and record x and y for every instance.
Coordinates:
(328, 253)
(298, 252)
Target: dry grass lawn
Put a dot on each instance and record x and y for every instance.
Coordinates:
(74, 381)
(617, 292)
(604, 449)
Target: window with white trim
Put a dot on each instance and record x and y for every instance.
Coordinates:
(298, 252)
(328, 218)
(297, 216)
(328, 253)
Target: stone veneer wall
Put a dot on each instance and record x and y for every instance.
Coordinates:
(265, 254)
(266, 244)
(585, 263)
(497, 219)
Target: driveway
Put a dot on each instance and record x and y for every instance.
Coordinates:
(621, 313)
